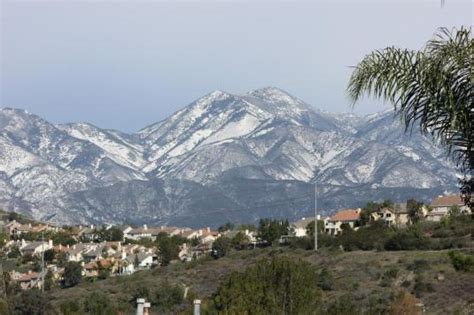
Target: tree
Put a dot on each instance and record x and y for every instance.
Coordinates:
(414, 210)
(49, 255)
(48, 280)
(278, 286)
(226, 227)
(372, 207)
(14, 252)
(113, 234)
(310, 228)
(271, 230)
(220, 247)
(454, 211)
(13, 216)
(72, 274)
(169, 247)
(432, 88)
(240, 240)
(63, 238)
(136, 261)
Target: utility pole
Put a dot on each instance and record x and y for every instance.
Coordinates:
(315, 217)
(42, 261)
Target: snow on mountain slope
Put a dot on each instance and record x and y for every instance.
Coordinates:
(41, 160)
(119, 149)
(218, 118)
(222, 157)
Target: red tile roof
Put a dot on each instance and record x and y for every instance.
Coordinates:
(449, 200)
(346, 215)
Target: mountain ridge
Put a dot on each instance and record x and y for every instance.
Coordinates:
(265, 136)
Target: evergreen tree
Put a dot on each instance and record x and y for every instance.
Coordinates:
(72, 274)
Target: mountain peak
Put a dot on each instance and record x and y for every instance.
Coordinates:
(270, 92)
(218, 94)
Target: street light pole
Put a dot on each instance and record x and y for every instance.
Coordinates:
(42, 261)
(315, 217)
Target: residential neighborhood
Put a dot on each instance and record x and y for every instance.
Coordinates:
(123, 250)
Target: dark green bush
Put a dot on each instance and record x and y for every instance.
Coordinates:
(277, 286)
(168, 296)
(462, 262)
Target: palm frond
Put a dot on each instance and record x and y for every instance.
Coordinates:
(431, 88)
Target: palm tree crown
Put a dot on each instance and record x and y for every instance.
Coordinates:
(431, 88)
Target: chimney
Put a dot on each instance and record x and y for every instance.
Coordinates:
(208, 229)
(197, 307)
(92, 226)
(140, 306)
(50, 243)
(145, 227)
(146, 308)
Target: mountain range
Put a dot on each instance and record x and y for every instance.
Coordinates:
(223, 157)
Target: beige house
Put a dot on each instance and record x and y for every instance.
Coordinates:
(333, 226)
(28, 280)
(396, 216)
(152, 232)
(35, 248)
(441, 206)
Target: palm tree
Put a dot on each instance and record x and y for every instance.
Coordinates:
(431, 89)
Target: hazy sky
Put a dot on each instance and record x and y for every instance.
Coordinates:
(124, 64)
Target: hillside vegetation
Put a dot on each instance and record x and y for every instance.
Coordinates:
(348, 282)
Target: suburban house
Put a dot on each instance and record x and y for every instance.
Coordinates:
(88, 233)
(151, 232)
(299, 227)
(134, 262)
(401, 214)
(91, 269)
(204, 235)
(333, 226)
(189, 253)
(28, 280)
(74, 252)
(35, 248)
(441, 206)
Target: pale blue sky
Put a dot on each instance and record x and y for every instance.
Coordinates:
(124, 65)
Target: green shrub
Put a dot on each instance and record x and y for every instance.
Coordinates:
(421, 286)
(70, 308)
(220, 247)
(343, 305)
(98, 303)
(277, 286)
(418, 265)
(462, 262)
(325, 280)
(168, 296)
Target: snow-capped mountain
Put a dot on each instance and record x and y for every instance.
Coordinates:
(222, 157)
